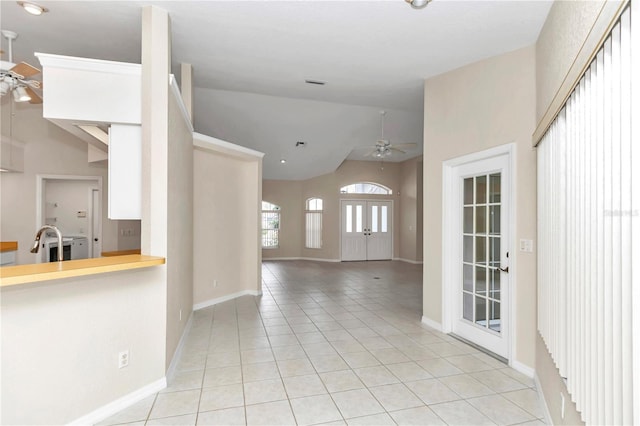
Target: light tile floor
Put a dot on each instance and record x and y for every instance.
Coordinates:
(333, 344)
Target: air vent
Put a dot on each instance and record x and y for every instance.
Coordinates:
(316, 82)
(301, 144)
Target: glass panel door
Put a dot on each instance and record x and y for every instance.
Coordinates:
(481, 253)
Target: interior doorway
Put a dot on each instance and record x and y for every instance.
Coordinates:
(74, 205)
(366, 230)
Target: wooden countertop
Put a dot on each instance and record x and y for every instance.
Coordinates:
(8, 246)
(120, 252)
(24, 274)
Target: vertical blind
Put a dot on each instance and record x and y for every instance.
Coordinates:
(584, 231)
(313, 227)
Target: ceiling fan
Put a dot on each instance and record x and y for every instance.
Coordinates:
(383, 147)
(16, 79)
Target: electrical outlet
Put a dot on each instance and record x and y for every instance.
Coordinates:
(123, 359)
(561, 405)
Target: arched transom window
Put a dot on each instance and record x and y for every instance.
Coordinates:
(365, 188)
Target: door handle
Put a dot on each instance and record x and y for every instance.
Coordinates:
(505, 269)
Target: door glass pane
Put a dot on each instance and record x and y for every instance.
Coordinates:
(494, 220)
(349, 219)
(468, 191)
(494, 188)
(481, 189)
(374, 218)
(467, 249)
(481, 250)
(468, 220)
(481, 220)
(358, 218)
(481, 281)
(494, 251)
(467, 306)
(494, 284)
(494, 316)
(383, 225)
(467, 280)
(481, 311)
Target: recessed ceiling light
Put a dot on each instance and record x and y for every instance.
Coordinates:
(282, 160)
(316, 82)
(32, 8)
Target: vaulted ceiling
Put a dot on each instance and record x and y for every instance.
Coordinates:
(251, 59)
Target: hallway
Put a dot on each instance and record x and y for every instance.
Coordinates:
(333, 343)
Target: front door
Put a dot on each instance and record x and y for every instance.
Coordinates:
(481, 291)
(366, 230)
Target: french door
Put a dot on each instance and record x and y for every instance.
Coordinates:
(366, 230)
(481, 311)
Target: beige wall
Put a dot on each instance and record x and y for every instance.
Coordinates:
(48, 150)
(291, 196)
(411, 209)
(61, 339)
(179, 225)
(562, 36)
(225, 219)
(482, 105)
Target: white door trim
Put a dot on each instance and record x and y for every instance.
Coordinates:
(451, 241)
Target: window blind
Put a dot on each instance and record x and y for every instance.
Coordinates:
(585, 219)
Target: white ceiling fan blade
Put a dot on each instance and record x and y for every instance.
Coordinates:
(371, 153)
(394, 149)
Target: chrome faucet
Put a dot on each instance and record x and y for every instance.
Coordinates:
(36, 243)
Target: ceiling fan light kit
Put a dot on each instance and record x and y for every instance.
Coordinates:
(17, 78)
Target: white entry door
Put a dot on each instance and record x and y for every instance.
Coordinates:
(366, 230)
(481, 289)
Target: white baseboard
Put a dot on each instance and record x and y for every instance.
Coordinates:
(524, 369)
(226, 298)
(121, 403)
(316, 259)
(543, 400)
(415, 262)
(431, 323)
(178, 352)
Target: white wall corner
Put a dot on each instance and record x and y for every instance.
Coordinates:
(543, 400)
(431, 323)
(120, 404)
(218, 300)
(171, 371)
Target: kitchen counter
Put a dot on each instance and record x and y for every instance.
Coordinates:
(25, 274)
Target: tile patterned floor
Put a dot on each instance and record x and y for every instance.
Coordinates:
(333, 344)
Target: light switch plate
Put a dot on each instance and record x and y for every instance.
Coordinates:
(526, 246)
